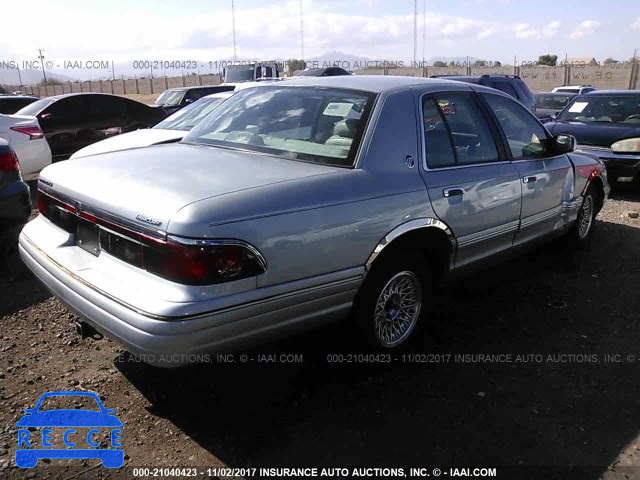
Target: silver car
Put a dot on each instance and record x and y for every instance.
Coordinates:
(294, 204)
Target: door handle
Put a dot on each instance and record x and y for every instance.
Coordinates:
(453, 191)
(529, 179)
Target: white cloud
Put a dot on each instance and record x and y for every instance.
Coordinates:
(524, 30)
(551, 30)
(636, 24)
(487, 32)
(587, 27)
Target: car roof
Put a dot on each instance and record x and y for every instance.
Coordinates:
(65, 95)
(369, 83)
(5, 97)
(594, 93)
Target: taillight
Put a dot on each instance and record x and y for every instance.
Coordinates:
(34, 132)
(190, 262)
(204, 262)
(9, 162)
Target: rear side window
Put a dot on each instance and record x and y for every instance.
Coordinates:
(69, 108)
(468, 129)
(524, 133)
(506, 88)
(437, 140)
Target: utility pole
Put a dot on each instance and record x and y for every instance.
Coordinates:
(113, 70)
(19, 77)
(41, 58)
(424, 29)
(415, 31)
(233, 26)
(301, 33)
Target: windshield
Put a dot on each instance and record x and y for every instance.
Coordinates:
(170, 97)
(187, 117)
(239, 74)
(552, 100)
(603, 108)
(35, 107)
(315, 124)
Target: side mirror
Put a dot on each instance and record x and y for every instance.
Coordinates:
(564, 143)
(554, 116)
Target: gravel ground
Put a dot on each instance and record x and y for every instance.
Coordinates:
(561, 403)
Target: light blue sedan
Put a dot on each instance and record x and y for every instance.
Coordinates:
(302, 202)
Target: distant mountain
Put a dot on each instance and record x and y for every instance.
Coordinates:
(9, 76)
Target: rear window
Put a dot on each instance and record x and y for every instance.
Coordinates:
(314, 124)
(552, 100)
(36, 107)
(11, 105)
(170, 97)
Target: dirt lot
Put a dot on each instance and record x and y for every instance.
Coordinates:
(571, 406)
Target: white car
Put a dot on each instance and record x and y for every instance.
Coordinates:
(169, 130)
(577, 89)
(27, 139)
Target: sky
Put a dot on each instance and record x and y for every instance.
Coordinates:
(123, 31)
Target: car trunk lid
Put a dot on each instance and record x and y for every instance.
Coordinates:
(147, 186)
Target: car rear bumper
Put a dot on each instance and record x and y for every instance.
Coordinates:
(15, 204)
(618, 164)
(171, 342)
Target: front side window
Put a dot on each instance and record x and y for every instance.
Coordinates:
(315, 124)
(467, 127)
(525, 136)
(107, 105)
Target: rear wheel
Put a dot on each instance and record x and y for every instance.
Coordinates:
(390, 306)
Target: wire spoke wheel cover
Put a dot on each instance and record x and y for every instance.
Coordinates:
(397, 309)
(586, 217)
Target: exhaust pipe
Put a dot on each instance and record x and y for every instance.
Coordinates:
(87, 331)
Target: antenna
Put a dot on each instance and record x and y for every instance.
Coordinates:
(301, 33)
(233, 26)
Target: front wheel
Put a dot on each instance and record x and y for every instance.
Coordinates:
(391, 303)
(581, 231)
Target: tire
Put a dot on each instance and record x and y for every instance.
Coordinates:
(581, 231)
(391, 324)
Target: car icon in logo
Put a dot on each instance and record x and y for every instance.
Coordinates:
(68, 420)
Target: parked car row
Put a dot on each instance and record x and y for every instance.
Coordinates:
(303, 201)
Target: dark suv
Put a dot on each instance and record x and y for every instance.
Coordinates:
(509, 84)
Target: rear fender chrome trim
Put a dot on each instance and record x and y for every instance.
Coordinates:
(418, 224)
